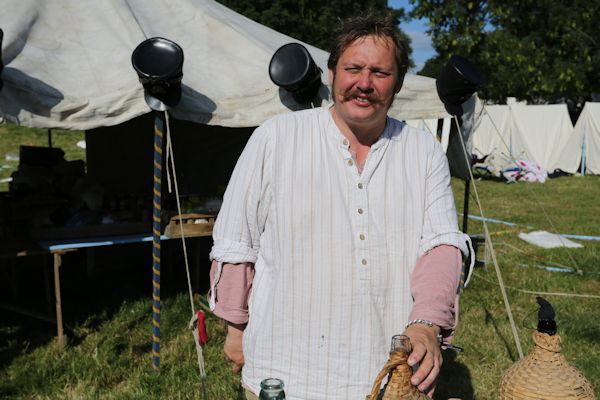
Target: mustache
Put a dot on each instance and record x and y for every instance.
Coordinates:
(349, 95)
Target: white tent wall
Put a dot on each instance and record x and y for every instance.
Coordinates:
(431, 126)
(587, 128)
(68, 64)
(492, 131)
(428, 125)
(542, 133)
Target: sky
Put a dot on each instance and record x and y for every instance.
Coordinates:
(421, 43)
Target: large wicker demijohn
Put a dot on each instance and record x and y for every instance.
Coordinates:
(544, 374)
(399, 374)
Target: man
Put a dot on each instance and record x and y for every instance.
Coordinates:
(342, 223)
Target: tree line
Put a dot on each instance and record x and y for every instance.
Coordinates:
(535, 50)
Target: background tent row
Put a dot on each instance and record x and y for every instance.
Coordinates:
(68, 65)
(540, 133)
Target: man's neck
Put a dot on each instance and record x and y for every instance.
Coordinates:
(357, 135)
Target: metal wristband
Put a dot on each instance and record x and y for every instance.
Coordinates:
(419, 321)
(427, 323)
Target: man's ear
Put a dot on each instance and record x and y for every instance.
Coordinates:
(330, 75)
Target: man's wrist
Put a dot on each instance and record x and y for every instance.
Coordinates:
(235, 328)
(428, 324)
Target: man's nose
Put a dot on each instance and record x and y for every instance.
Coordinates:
(364, 83)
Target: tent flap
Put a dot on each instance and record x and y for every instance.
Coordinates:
(587, 129)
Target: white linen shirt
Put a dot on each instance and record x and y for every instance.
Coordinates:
(333, 249)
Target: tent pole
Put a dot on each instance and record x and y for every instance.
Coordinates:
(159, 126)
(583, 149)
(466, 205)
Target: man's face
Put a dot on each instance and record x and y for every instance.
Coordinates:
(365, 81)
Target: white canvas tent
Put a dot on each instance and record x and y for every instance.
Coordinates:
(587, 129)
(487, 139)
(541, 133)
(68, 64)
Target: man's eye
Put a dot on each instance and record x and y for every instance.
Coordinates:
(381, 74)
(352, 69)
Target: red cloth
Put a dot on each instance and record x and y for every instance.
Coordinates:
(202, 335)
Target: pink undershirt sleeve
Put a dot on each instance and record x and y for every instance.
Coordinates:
(434, 287)
(232, 291)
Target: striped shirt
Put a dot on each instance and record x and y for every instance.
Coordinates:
(333, 248)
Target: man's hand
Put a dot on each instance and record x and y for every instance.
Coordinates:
(233, 346)
(426, 350)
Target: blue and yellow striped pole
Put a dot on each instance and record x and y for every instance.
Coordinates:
(159, 126)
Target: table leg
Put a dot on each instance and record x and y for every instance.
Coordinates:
(90, 255)
(59, 322)
(11, 271)
(48, 289)
(196, 261)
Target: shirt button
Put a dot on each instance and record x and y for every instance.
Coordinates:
(360, 210)
(360, 185)
(350, 163)
(362, 237)
(345, 142)
(364, 262)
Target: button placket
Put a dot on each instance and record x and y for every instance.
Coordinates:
(361, 234)
(348, 159)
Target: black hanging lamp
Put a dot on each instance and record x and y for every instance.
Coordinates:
(159, 65)
(457, 82)
(293, 69)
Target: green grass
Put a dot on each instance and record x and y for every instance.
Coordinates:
(13, 136)
(564, 205)
(108, 355)
(111, 360)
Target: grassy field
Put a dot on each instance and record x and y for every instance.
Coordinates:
(109, 320)
(13, 136)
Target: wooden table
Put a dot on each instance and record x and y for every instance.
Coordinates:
(57, 248)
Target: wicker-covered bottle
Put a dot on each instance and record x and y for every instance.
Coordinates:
(545, 374)
(399, 374)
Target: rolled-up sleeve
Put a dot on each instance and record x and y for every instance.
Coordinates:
(243, 215)
(440, 225)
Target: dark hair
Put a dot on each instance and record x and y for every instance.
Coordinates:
(369, 25)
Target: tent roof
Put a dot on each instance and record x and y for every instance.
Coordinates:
(68, 64)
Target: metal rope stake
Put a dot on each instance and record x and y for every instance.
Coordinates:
(159, 126)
